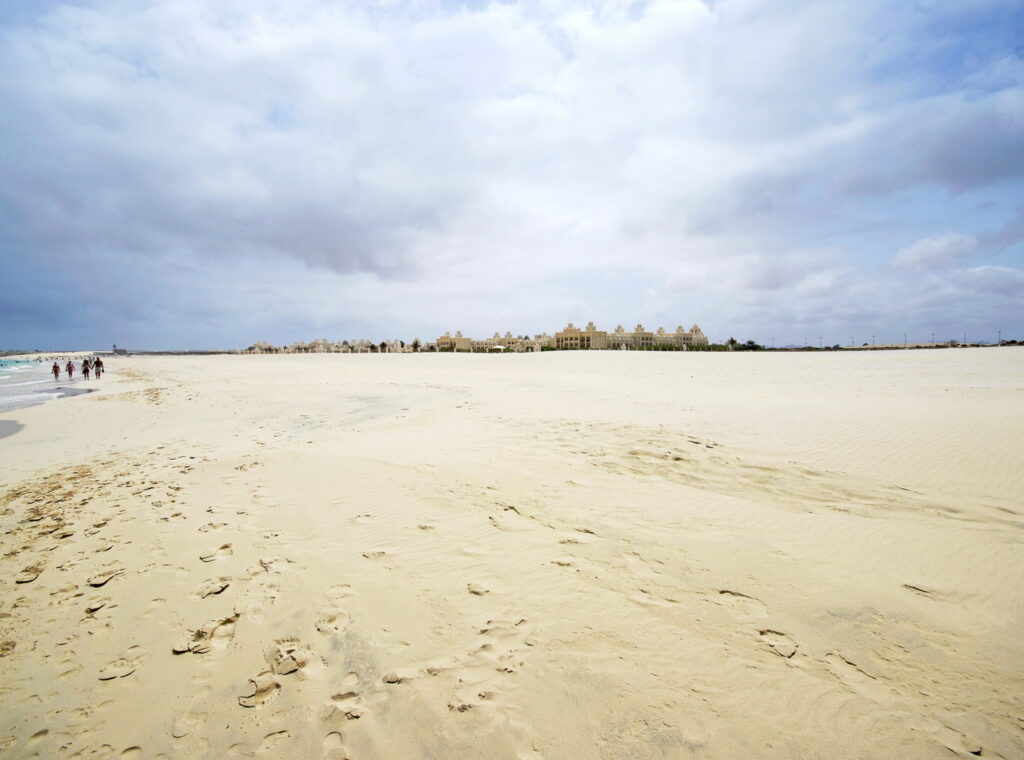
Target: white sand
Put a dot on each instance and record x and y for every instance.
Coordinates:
(571, 555)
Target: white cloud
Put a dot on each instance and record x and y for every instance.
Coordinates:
(940, 252)
(997, 280)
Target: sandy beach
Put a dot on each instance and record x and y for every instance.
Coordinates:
(563, 555)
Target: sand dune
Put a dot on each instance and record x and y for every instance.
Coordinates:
(565, 555)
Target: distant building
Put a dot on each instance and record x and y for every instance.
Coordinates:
(572, 337)
(588, 338)
(458, 342)
(642, 339)
(639, 338)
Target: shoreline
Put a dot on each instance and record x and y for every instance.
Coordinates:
(40, 391)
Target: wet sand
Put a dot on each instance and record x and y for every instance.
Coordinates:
(9, 427)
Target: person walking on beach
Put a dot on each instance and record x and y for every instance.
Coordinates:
(97, 367)
(56, 371)
(85, 368)
(69, 368)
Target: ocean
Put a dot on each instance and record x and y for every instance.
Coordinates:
(28, 383)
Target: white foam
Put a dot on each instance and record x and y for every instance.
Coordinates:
(26, 385)
(28, 382)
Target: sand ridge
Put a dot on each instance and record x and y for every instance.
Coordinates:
(524, 557)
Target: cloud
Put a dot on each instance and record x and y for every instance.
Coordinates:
(340, 167)
(996, 280)
(940, 252)
(1007, 235)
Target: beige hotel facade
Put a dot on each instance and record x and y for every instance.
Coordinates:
(570, 338)
(587, 338)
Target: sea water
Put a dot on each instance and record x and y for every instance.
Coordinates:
(27, 383)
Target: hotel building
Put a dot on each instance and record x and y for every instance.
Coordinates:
(570, 338)
(588, 338)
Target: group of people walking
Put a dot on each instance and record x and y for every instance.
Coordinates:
(95, 366)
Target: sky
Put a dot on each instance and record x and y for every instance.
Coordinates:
(182, 174)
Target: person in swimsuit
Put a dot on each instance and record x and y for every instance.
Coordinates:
(69, 368)
(56, 371)
(97, 367)
(85, 368)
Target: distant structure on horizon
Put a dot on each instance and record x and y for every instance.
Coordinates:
(570, 338)
(325, 346)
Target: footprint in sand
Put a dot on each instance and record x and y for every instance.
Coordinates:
(333, 747)
(262, 688)
(212, 587)
(503, 629)
(224, 550)
(482, 671)
(201, 640)
(184, 725)
(331, 622)
(103, 577)
(779, 642)
(287, 656)
(349, 703)
(273, 739)
(333, 617)
(743, 603)
(29, 574)
(268, 565)
(69, 666)
(119, 668)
